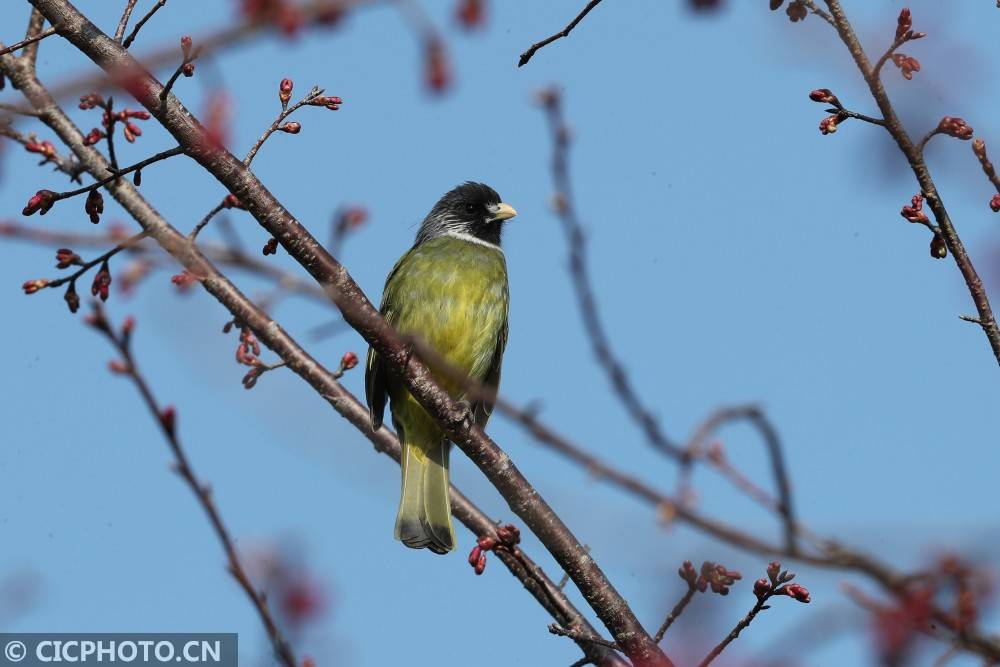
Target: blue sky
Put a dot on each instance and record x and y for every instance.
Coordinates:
(738, 256)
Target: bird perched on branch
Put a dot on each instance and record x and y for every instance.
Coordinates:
(450, 291)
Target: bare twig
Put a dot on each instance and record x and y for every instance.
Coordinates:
(25, 42)
(675, 612)
(123, 22)
(66, 165)
(601, 345)
(138, 26)
(162, 155)
(735, 632)
(527, 55)
(203, 493)
(578, 635)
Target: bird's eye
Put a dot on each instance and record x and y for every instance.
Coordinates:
(470, 208)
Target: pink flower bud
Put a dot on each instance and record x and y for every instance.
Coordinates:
(188, 69)
(348, 361)
(995, 204)
(41, 202)
(761, 587)
(32, 286)
(291, 128)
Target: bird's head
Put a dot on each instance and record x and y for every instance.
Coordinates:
(471, 209)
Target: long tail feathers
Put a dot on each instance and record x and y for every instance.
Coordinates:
(424, 519)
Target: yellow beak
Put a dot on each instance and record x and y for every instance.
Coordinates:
(503, 212)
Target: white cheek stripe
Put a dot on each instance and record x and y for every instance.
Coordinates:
(472, 239)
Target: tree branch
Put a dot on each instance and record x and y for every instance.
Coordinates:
(297, 359)
(203, 493)
(920, 170)
(527, 55)
(358, 311)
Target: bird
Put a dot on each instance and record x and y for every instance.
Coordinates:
(450, 291)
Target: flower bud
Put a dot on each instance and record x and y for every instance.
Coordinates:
(32, 286)
(291, 128)
(41, 202)
(939, 249)
(285, 91)
(94, 206)
(348, 361)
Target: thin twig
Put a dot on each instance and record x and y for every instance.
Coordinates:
(162, 155)
(25, 42)
(285, 113)
(675, 612)
(527, 55)
(603, 351)
(100, 259)
(35, 24)
(202, 492)
(66, 165)
(735, 632)
(204, 221)
(123, 22)
(138, 26)
(578, 635)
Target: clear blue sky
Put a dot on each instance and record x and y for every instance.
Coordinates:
(738, 256)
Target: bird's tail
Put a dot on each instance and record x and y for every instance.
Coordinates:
(424, 518)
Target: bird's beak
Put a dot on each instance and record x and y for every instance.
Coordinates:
(502, 212)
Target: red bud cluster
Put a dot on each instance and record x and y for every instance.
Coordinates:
(507, 537)
(45, 149)
(915, 211)
(94, 205)
(471, 13)
(777, 584)
(271, 247)
(904, 25)
(437, 69)
(93, 137)
(348, 361)
(32, 286)
(232, 201)
(906, 64)
(248, 351)
(824, 96)
(829, 124)
(285, 15)
(183, 280)
(91, 101)
(66, 258)
(717, 577)
(40, 202)
(330, 102)
(102, 283)
(797, 11)
(168, 419)
(955, 127)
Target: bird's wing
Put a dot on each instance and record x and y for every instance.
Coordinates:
(482, 409)
(376, 390)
